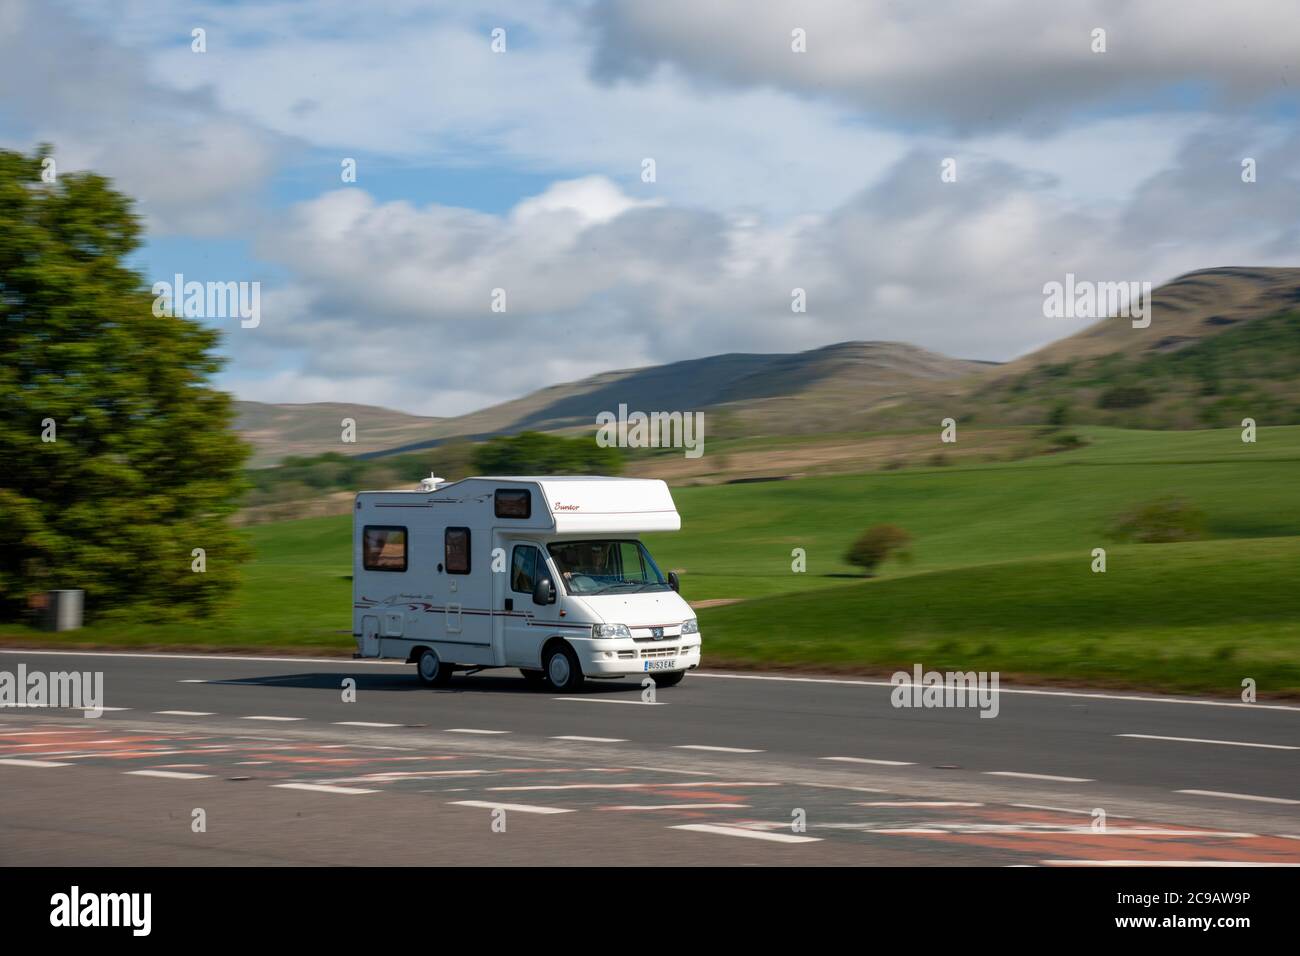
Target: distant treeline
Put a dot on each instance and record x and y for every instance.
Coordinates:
(528, 453)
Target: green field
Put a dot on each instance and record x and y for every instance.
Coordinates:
(999, 577)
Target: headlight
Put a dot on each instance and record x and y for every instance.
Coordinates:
(691, 627)
(610, 630)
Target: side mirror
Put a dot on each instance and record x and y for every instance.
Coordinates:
(674, 581)
(544, 591)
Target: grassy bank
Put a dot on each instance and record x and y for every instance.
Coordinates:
(1187, 617)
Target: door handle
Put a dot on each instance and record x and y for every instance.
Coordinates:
(510, 604)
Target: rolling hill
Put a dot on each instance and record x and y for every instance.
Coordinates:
(820, 381)
(278, 431)
(1223, 343)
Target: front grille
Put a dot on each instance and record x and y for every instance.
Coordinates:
(642, 636)
(659, 652)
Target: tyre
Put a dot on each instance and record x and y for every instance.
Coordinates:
(534, 678)
(432, 670)
(668, 678)
(563, 672)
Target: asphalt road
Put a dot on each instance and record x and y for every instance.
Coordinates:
(716, 770)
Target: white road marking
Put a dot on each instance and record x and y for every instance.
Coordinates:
(321, 788)
(743, 832)
(263, 717)
(883, 763)
(83, 744)
(684, 773)
(1202, 740)
(632, 786)
(412, 774)
(725, 750)
(996, 828)
(361, 723)
(104, 709)
(613, 700)
(1087, 813)
(169, 774)
(192, 680)
(1160, 863)
(1146, 699)
(839, 786)
(1036, 776)
(681, 806)
(515, 807)
(917, 803)
(185, 713)
(472, 730)
(594, 740)
(1239, 796)
(15, 762)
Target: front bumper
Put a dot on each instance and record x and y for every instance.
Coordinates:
(628, 658)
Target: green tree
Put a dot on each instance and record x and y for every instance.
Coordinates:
(876, 544)
(143, 467)
(533, 453)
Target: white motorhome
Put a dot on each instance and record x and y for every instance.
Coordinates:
(544, 574)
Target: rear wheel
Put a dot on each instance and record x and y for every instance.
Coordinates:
(563, 672)
(432, 670)
(668, 678)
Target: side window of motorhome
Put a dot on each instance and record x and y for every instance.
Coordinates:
(456, 548)
(513, 503)
(383, 548)
(523, 568)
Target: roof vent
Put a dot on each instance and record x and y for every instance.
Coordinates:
(432, 483)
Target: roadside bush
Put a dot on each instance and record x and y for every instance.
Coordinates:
(876, 544)
(1158, 522)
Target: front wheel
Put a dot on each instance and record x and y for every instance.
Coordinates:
(563, 672)
(668, 678)
(432, 670)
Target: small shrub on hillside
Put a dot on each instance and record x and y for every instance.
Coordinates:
(1158, 522)
(1064, 441)
(876, 544)
(1124, 396)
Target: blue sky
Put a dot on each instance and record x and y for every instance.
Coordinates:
(775, 169)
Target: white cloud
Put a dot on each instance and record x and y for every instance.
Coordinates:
(966, 65)
(193, 168)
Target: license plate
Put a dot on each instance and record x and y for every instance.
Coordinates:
(667, 664)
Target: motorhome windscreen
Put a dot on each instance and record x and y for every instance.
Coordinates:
(606, 566)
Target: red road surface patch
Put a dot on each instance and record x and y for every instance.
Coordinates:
(1049, 836)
